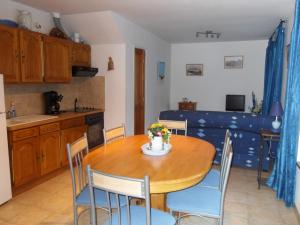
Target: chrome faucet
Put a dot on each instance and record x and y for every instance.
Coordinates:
(75, 105)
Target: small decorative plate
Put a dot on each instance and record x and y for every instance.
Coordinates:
(147, 151)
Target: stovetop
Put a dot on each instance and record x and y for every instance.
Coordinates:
(84, 109)
(80, 109)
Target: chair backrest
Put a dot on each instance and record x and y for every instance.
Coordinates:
(114, 134)
(119, 186)
(224, 179)
(76, 151)
(224, 152)
(175, 125)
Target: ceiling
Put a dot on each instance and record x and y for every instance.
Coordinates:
(178, 21)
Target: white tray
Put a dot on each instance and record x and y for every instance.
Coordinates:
(147, 151)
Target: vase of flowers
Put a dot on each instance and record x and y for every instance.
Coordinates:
(158, 135)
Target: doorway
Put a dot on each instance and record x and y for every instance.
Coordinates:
(139, 91)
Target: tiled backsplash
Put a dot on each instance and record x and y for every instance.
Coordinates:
(29, 99)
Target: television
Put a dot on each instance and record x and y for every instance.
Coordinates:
(235, 103)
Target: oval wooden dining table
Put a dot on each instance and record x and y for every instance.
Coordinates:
(184, 166)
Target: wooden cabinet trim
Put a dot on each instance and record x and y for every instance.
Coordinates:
(74, 122)
(25, 133)
(47, 128)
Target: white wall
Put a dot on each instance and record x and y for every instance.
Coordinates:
(9, 10)
(156, 91)
(115, 83)
(101, 28)
(210, 89)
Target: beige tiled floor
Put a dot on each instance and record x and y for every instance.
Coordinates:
(51, 204)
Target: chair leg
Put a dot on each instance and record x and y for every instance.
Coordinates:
(75, 214)
(220, 221)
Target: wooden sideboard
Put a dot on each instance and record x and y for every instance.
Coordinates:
(188, 106)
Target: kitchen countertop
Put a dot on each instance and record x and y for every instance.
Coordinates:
(22, 122)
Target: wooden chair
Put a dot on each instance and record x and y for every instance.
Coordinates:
(202, 201)
(76, 151)
(175, 125)
(129, 214)
(114, 134)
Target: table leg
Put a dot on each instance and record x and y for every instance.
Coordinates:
(158, 201)
(260, 161)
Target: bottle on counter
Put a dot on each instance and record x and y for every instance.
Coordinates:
(13, 112)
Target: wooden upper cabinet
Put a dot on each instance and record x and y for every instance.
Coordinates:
(31, 52)
(81, 55)
(57, 59)
(9, 54)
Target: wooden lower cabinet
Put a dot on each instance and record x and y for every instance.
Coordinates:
(50, 152)
(40, 150)
(24, 157)
(69, 136)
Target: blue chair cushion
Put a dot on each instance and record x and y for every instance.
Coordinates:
(100, 198)
(196, 200)
(138, 217)
(211, 180)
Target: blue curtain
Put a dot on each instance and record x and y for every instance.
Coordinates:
(283, 176)
(273, 69)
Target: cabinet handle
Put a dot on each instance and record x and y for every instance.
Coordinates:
(38, 157)
(17, 54)
(23, 56)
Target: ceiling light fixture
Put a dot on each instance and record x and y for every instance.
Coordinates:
(208, 34)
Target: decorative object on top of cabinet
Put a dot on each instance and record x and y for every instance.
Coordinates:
(55, 32)
(233, 62)
(194, 69)
(9, 54)
(81, 55)
(76, 37)
(31, 50)
(58, 25)
(161, 70)
(9, 23)
(57, 56)
(110, 64)
(25, 19)
(188, 106)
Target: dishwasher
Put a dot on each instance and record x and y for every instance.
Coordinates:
(95, 123)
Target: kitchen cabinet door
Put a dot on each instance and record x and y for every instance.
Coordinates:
(9, 54)
(24, 157)
(81, 55)
(49, 151)
(31, 49)
(69, 136)
(57, 59)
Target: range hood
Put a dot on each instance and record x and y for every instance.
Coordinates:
(83, 71)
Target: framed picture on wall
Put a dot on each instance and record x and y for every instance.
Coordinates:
(194, 69)
(233, 62)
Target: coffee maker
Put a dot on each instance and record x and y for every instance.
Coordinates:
(52, 100)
